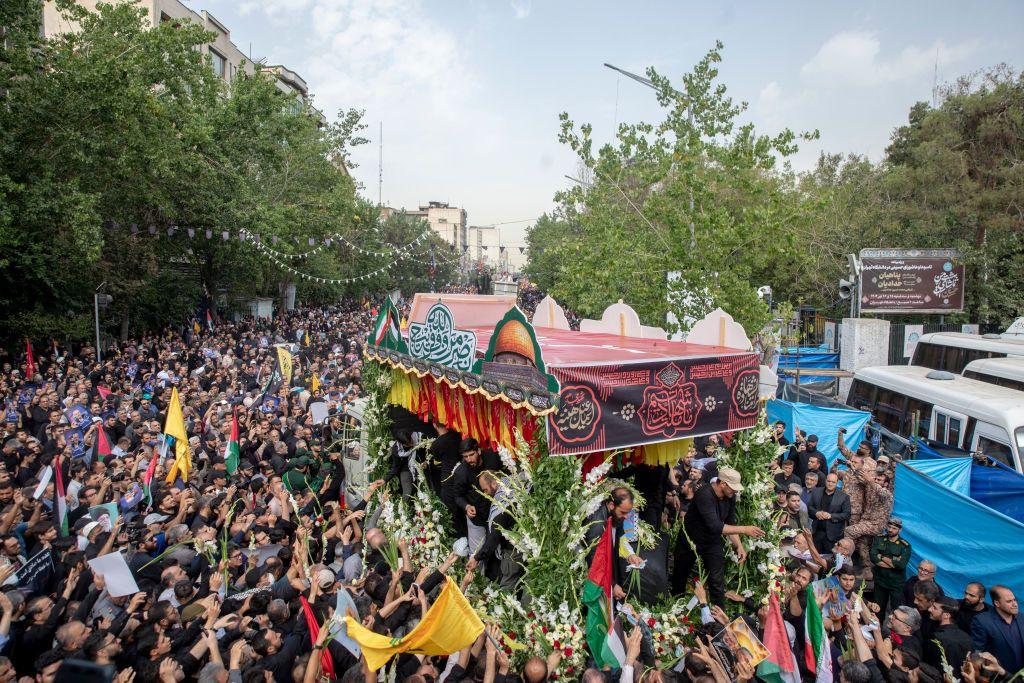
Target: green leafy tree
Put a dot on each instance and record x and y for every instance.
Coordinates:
(698, 193)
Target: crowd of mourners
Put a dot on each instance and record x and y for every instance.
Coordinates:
(232, 570)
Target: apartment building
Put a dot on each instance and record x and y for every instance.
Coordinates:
(449, 222)
(226, 59)
(502, 250)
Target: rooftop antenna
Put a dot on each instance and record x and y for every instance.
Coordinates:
(935, 80)
(380, 166)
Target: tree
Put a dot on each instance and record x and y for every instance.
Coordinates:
(957, 175)
(698, 194)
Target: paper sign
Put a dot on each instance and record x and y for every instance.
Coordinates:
(345, 606)
(116, 574)
(970, 329)
(43, 481)
(36, 571)
(318, 411)
(911, 333)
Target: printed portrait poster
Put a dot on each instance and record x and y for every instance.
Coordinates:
(105, 514)
(836, 604)
(739, 643)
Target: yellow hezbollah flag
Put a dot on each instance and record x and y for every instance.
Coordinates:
(195, 326)
(175, 426)
(284, 364)
(314, 384)
(448, 626)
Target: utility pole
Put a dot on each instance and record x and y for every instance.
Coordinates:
(380, 166)
(689, 116)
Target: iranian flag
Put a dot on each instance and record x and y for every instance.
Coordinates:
(817, 654)
(60, 500)
(603, 637)
(387, 326)
(231, 449)
(781, 666)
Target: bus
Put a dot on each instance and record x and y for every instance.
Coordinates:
(1005, 372)
(957, 411)
(952, 351)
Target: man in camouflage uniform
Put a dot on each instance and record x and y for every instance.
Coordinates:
(889, 556)
(870, 502)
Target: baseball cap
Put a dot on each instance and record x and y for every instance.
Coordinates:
(153, 518)
(326, 578)
(731, 477)
(88, 529)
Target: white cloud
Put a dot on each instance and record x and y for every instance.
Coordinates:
(521, 8)
(770, 97)
(441, 120)
(855, 58)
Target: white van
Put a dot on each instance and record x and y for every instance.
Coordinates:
(952, 351)
(954, 410)
(1005, 372)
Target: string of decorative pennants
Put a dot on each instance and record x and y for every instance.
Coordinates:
(402, 255)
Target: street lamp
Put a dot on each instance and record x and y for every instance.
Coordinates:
(98, 300)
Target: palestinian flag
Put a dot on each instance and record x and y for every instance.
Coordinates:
(817, 654)
(60, 500)
(231, 449)
(781, 666)
(102, 446)
(147, 481)
(602, 632)
(387, 325)
(209, 319)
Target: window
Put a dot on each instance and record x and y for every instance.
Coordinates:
(955, 359)
(928, 355)
(954, 432)
(924, 417)
(889, 408)
(949, 429)
(862, 394)
(219, 63)
(996, 450)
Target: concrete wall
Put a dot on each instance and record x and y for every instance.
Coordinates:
(864, 344)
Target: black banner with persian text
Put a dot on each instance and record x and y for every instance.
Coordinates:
(619, 406)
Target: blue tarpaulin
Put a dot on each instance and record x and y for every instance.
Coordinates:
(807, 358)
(966, 539)
(953, 473)
(824, 422)
(998, 486)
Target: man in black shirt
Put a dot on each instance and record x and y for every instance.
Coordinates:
(972, 605)
(786, 477)
(955, 644)
(443, 456)
(459, 492)
(711, 514)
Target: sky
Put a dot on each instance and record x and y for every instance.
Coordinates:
(469, 91)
